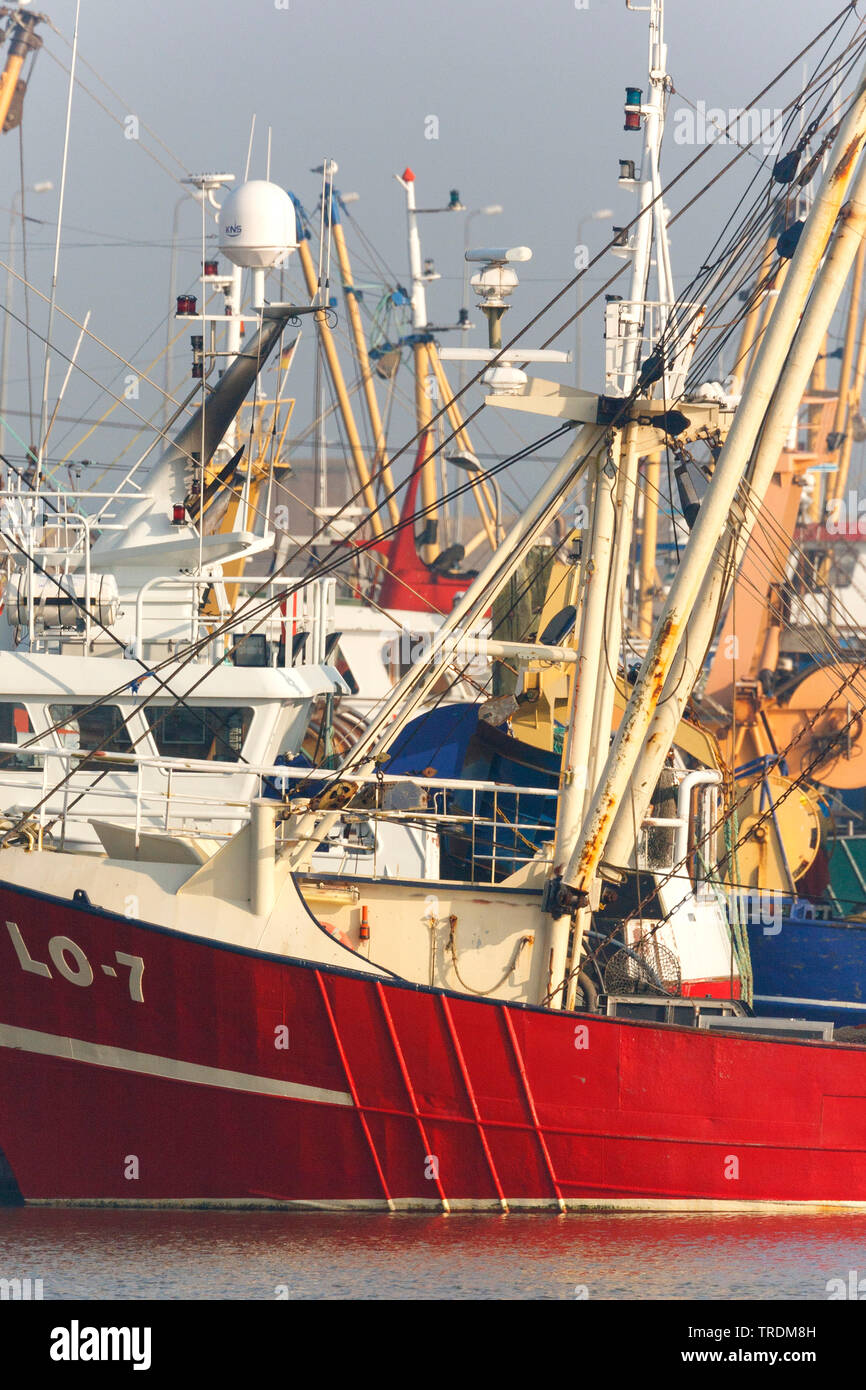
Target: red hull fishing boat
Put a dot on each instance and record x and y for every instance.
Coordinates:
(385, 1093)
(192, 1019)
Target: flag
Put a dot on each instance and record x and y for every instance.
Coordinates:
(287, 354)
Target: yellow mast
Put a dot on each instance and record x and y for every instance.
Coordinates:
(330, 349)
(380, 457)
(480, 487)
(23, 39)
(429, 545)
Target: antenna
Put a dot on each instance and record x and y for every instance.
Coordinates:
(494, 284)
(250, 148)
(43, 422)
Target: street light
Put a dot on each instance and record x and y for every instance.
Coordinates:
(600, 216)
(43, 186)
(470, 464)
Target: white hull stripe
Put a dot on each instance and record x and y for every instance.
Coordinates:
(149, 1064)
(812, 1003)
(456, 1204)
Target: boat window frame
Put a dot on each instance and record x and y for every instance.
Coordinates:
(238, 761)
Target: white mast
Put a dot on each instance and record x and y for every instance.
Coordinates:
(605, 567)
(651, 224)
(755, 412)
(406, 181)
(699, 632)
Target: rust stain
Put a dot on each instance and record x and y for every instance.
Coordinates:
(592, 849)
(852, 149)
(667, 639)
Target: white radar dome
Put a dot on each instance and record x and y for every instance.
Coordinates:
(257, 225)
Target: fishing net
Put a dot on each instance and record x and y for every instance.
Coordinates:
(645, 968)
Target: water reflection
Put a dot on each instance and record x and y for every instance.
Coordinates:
(134, 1254)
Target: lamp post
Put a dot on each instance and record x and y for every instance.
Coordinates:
(44, 186)
(470, 464)
(598, 216)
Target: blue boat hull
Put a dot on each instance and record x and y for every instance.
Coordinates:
(811, 969)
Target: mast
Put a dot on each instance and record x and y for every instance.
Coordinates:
(423, 406)
(356, 449)
(431, 381)
(749, 331)
(767, 407)
(651, 225)
(480, 487)
(604, 576)
(381, 466)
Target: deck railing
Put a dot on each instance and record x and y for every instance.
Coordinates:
(486, 831)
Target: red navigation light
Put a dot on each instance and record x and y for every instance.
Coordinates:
(178, 514)
(408, 176)
(632, 108)
(211, 268)
(186, 304)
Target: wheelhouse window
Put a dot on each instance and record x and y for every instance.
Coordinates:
(100, 731)
(334, 657)
(214, 733)
(15, 727)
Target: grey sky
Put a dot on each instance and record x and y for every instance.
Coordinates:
(529, 106)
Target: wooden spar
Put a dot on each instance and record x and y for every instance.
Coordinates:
(331, 356)
(648, 541)
(480, 487)
(844, 408)
(675, 659)
(429, 545)
(381, 465)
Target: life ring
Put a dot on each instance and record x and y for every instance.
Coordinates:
(337, 935)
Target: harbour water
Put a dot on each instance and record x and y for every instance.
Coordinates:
(223, 1255)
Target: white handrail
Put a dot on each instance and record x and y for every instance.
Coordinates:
(320, 602)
